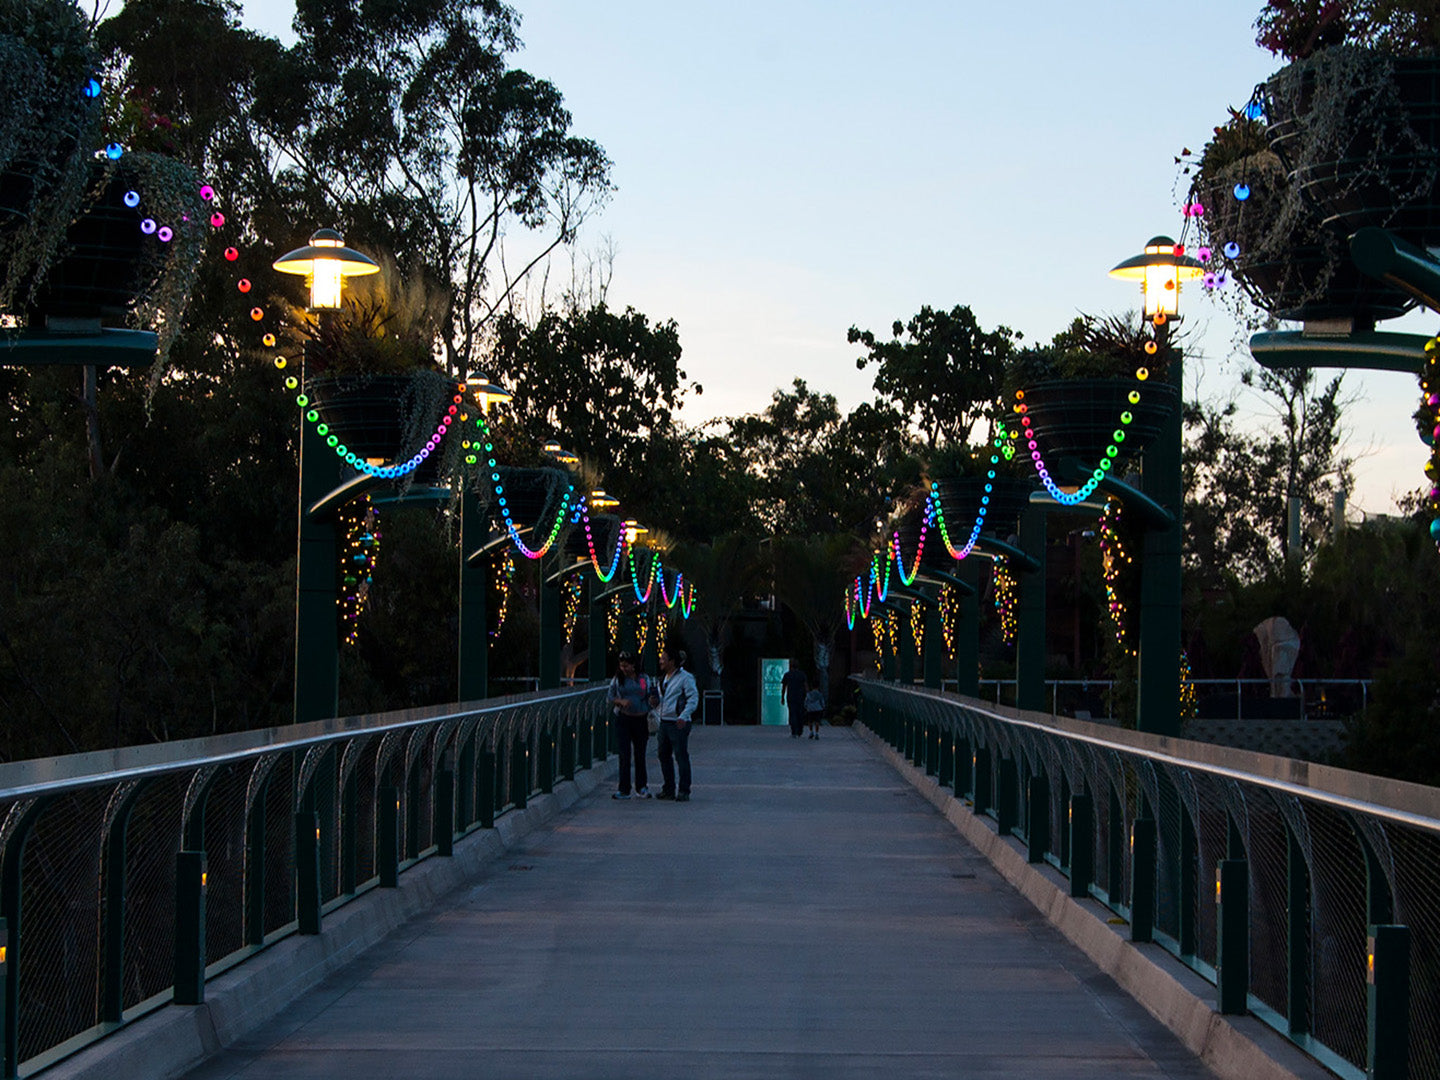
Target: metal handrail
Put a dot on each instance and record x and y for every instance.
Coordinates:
(1320, 859)
(107, 859)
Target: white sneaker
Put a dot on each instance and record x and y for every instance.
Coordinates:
(643, 793)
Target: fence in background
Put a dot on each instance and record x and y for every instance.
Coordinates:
(128, 877)
(1309, 895)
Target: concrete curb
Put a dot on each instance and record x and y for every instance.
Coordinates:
(176, 1038)
(1233, 1047)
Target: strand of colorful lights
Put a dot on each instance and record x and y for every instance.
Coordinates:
(1112, 451)
(643, 597)
(515, 538)
(605, 576)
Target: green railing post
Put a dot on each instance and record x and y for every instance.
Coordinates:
(1387, 993)
(442, 825)
(1082, 844)
(1232, 933)
(317, 635)
(387, 836)
(550, 621)
(486, 794)
(1039, 834)
(980, 764)
(189, 958)
(1297, 937)
(1030, 615)
(307, 871)
(1142, 879)
(474, 631)
(1007, 795)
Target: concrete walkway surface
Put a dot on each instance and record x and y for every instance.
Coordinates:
(807, 914)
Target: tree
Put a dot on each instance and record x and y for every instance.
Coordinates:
(818, 472)
(944, 375)
(402, 123)
(1238, 485)
(811, 576)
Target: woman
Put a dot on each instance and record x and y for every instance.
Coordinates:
(628, 694)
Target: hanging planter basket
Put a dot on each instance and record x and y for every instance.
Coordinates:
(1077, 418)
(106, 262)
(384, 418)
(1290, 264)
(1360, 132)
(532, 496)
(960, 498)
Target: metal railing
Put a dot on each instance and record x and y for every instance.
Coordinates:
(1309, 895)
(128, 877)
(1315, 698)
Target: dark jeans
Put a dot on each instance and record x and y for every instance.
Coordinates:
(632, 732)
(797, 719)
(673, 746)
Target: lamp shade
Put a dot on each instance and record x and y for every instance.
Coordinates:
(1160, 270)
(325, 263)
(486, 393)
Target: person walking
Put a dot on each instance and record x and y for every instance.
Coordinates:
(814, 708)
(792, 695)
(629, 694)
(675, 700)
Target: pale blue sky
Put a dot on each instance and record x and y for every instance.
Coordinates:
(788, 169)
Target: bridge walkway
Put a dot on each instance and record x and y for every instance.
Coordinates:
(807, 914)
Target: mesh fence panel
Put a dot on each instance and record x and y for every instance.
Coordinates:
(279, 804)
(1268, 852)
(61, 866)
(225, 860)
(1338, 881)
(1416, 866)
(152, 841)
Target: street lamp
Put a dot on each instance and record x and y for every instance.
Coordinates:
(599, 500)
(633, 529)
(1160, 269)
(560, 454)
(325, 263)
(486, 393)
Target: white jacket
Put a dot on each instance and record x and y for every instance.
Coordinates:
(678, 696)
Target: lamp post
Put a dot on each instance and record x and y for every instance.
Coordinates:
(473, 638)
(1161, 269)
(325, 263)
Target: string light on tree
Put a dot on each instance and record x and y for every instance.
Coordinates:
(1120, 574)
(1007, 594)
(1189, 696)
(360, 526)
(504, 582)
(574, 586)
(949, 601)
(917, 627)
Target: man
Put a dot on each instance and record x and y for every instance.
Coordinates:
(793, 685)
(675, 701)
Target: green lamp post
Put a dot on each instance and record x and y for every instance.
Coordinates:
(476, 543)
(325, 263)
(1161, 268)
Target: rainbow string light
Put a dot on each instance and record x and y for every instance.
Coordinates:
(1065, 498)
(927, 516)
(643, 597)
(515, 539)
(605, 576)
(384, 472)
